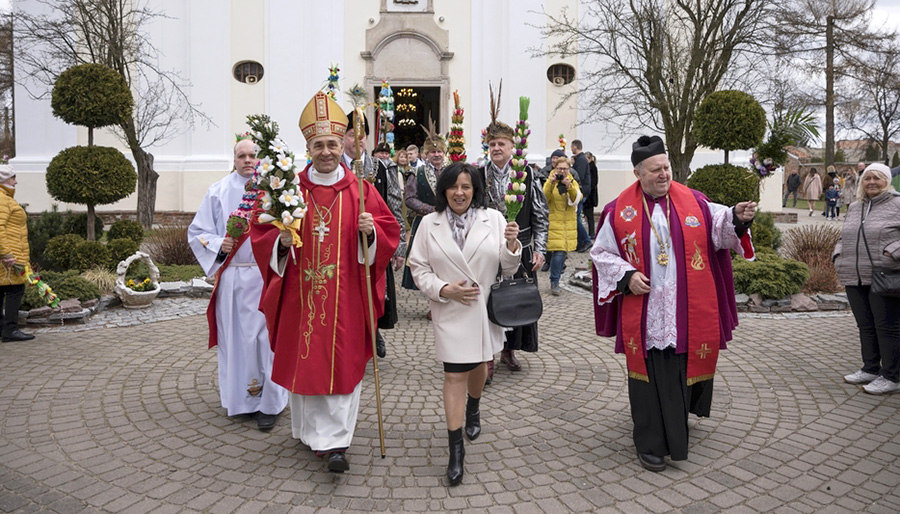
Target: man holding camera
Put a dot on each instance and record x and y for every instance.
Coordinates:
(563, 196)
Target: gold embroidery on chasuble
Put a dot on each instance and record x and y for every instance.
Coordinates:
(697, 261)
(320, 281)
(254, 388)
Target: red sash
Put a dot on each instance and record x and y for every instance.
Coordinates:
(211, 308)
(703, 331)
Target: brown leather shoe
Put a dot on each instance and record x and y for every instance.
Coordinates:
(508, 357)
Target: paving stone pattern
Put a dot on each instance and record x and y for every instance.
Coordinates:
(122, 415)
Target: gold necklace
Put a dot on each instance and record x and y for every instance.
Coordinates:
(663, 257)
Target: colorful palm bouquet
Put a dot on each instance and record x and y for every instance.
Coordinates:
(562, 142)
(386, 114)
(331, 87)
(456, 142)
(276, 178)
(34, 280)
(515, 194)
(239, 219)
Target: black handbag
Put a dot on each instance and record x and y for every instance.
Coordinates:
(515, 303)
(885, 282)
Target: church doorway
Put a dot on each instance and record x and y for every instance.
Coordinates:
(413, 105)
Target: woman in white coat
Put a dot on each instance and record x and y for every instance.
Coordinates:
(454, 260)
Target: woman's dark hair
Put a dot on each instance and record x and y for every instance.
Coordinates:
(448, 178)
(813, 170)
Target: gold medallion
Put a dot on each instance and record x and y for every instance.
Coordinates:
(662, 258)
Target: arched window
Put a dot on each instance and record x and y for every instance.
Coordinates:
(248, 72)
(561, 74)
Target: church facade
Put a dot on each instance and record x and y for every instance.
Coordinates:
(271, 56)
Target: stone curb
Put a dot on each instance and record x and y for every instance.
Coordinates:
(73, 312)
(753, 303)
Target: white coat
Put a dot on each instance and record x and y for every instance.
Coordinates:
(463, 334)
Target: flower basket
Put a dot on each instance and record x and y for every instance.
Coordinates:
(132, 299)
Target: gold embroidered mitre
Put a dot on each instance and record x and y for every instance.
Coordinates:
(322, 116)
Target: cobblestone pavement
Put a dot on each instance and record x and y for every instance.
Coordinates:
(127, 419)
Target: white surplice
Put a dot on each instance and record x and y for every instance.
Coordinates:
(244, 354)
(661, 318)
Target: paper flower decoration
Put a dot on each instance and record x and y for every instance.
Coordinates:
(33, 280)
(239, 219)
(331, 87)
(562, 142)
(284, 208)
(456, 142)
(515, 193)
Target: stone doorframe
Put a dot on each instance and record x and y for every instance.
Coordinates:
(394, 44)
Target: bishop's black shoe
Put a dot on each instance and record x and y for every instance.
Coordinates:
(337, 462)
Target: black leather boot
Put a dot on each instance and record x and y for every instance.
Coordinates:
(473, 418)
(457, 454)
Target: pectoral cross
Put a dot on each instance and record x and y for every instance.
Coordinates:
(322, 230)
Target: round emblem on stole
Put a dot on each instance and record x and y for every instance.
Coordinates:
(628, 213)
(692, 221)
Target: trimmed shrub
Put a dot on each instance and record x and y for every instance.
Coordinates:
(90, 254)
(76, 287)
(76, 223)
(41, 230)
(127, 229)
(90, 175)
(769, 276)
(764, 231)
(120, 249)
(729, 120)
(93, 95)
(61, 251)
(169, 245)
(104, 279)
(726, 184)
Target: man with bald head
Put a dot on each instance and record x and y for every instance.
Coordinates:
(663, 287)
(236, 326)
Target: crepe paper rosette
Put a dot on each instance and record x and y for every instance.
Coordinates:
(239, 219)
(456, 142)
(386, 117)
(518, 174)
(276, 178)
(33, 280)
(331, 87)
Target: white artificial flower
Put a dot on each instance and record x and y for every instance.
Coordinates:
(299, 212)
(266, 201)
(296, 180)
(284, 162)
(266, 218)
(512, 174)
(288, 198)
(278, 146)
(264, 166)
(286, 218)
(256, 148)
(277, 183)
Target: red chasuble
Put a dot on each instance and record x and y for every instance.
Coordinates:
(703, 331)
(317, 313)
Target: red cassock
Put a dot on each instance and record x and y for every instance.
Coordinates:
(317, 313)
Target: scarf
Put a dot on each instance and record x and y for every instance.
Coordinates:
(460, 225)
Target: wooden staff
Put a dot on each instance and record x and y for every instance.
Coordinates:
(360, 171)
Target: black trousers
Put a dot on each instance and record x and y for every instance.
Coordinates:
(660, 408)
(878, 320)
(11, 299)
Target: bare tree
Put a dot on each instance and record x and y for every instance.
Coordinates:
(651, 62)
(873, 98)
(813, 33)
(111, 32)
(7, 135)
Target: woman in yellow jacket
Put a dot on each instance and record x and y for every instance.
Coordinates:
(13, 249)
(563, 195)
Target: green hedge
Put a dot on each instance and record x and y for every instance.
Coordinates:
(770, 276)
(127, 229)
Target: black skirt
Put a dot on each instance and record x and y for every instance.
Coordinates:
(455, 367)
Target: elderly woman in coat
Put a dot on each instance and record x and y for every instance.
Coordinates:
(563, 196)
(871, 237)
(13, 249)
(454, 259)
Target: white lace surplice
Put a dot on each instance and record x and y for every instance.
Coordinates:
(661, 318)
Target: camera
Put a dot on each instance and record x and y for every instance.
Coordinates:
(560, 186)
